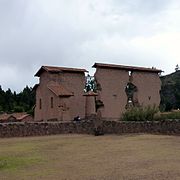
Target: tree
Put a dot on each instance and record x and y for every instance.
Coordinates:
(177, 68)
(90, 84)
(17, 102)
(9, 100)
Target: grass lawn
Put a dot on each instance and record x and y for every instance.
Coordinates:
(88, 157)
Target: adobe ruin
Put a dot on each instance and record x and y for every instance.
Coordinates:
(60, 93)
(120, 87)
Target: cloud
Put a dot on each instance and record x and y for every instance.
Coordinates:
(77, 33)
(142, 7)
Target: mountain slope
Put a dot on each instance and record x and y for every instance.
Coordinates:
(170, 91)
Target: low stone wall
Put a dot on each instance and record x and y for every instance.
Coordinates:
(21, 129)
(171, 127)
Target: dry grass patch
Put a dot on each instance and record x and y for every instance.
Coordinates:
(90, 157)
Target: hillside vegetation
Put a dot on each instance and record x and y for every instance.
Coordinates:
(170, 91)
(17, 102)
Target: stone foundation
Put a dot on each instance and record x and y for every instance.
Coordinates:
(21, 129)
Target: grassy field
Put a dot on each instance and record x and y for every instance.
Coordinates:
(88, 157)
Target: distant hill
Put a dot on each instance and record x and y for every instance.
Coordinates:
(170, 91)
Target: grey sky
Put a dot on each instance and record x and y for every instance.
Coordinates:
(77, 33)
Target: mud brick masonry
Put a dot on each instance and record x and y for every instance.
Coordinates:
(60, 93)
(120, 86)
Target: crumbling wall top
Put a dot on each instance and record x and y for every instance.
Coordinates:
(128, 68)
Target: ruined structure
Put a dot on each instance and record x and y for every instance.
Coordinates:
(60, 92)
(120, 87)
(15, 117)
(90, 107)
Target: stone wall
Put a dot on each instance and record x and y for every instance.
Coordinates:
(21, 129)
(171, 127)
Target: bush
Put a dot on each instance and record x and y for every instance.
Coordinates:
(31, 112)
(168, 115)
(18, 109)
(140, 113)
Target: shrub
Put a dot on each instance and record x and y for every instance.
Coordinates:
(140, 113)
(168, 115)
(31, 112)
(18, 109)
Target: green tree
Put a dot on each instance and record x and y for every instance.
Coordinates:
(90, 84)
(17, 102)
(177, 67)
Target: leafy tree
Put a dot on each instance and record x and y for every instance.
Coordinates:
(177, 67)
(90, 84)
(17, 102)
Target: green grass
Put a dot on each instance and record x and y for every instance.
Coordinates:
(17, 155)
(168, 115)
(89, 157)
(12, 163)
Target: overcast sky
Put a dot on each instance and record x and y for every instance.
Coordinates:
(77, 33)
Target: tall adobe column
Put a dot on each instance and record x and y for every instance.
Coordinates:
(90, 107)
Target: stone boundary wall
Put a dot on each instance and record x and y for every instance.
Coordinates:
(169, 127)
(22, 129)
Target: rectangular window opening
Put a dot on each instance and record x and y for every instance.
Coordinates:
(40, 103)
(52, 102)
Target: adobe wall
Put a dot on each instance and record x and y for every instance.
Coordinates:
(149, 86)
(73, 82)
(22, 129)
(46, 112)
(112, 93)
(90, 107)
(112, 83)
